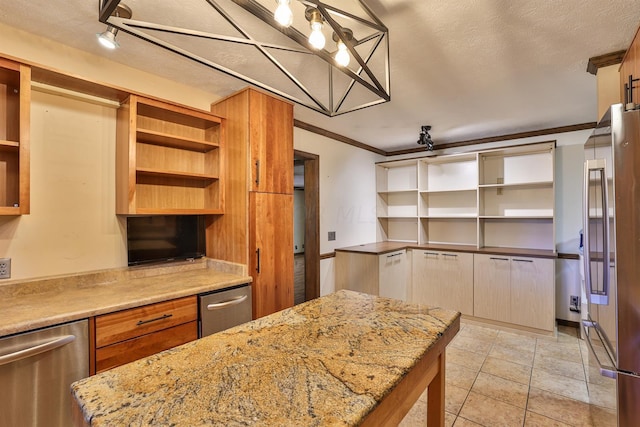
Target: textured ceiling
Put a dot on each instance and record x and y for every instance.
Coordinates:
(469, 68)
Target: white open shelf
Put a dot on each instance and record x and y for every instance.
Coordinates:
(501, 198)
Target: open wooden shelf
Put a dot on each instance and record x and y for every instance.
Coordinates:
(169, 159)
(15, 104)
(169, 140)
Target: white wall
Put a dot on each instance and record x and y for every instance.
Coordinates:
(347, 196)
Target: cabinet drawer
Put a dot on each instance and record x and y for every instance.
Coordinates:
(126, 324)
(127, 351)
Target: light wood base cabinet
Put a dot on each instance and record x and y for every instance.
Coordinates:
(443, 279)
(518, 290)
(384, 275)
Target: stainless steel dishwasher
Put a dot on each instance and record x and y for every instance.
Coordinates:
(36, 372)
(220, 310)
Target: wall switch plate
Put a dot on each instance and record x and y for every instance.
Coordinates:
(5, 268)
(332, 235)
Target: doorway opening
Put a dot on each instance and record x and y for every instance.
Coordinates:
(306, 226)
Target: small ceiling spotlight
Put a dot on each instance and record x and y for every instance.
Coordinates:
(342, 55)
(108, 37)
(425, 138)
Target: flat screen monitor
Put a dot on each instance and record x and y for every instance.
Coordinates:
(164, 238)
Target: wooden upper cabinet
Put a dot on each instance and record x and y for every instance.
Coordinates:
(271, 144)
(15, 107)
(631, 67)
(169, 159)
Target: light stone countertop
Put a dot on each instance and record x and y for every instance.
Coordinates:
(33, 304)
(329, 361)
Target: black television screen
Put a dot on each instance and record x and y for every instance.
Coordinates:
(162, 238)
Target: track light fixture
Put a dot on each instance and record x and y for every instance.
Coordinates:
(108, 37)
(425, 138)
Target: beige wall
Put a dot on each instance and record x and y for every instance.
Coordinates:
(72, 226)
(54, 55)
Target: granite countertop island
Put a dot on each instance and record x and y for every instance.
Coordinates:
(343, 359)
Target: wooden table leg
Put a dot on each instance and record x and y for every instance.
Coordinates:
(435, 396)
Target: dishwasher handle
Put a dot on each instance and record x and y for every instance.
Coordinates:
(223, 304)
(38, 349)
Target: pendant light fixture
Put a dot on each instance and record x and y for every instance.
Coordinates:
(283, 14)
(316, 23)
(281, 46)
(108, 37)
(342, 56)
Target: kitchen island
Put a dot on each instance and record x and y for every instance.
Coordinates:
(343, 359)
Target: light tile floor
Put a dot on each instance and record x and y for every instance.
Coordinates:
(507, 378)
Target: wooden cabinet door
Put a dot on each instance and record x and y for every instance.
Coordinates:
(533, 292)
(456, 281)
(443, 279)
(425, 278)
(392, 271)
(271, 144)
(271, 252)
(491, 287)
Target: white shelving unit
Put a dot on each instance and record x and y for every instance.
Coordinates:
(397, 201)
(494, 198)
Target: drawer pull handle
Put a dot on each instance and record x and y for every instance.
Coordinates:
(499, 259)
(431, 253)
(223, 304)
(144, 322)
(451, 255)
(392, 255)
(522, 260)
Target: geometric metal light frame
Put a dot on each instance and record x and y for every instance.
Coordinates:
(365, 83)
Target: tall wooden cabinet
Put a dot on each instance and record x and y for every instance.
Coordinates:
(630, 68)
(257, 228)
(15, 107)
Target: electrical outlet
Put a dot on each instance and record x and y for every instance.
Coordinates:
(332, 235)
(574, 303)
(5, 268)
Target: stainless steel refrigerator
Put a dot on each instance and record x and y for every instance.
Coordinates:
(611, 224)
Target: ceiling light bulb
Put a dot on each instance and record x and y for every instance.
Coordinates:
(283, 14)
(342, 55)
(316, 38)
(108, 38)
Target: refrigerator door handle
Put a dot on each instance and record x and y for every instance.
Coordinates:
(596, 296)
(605, 370)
